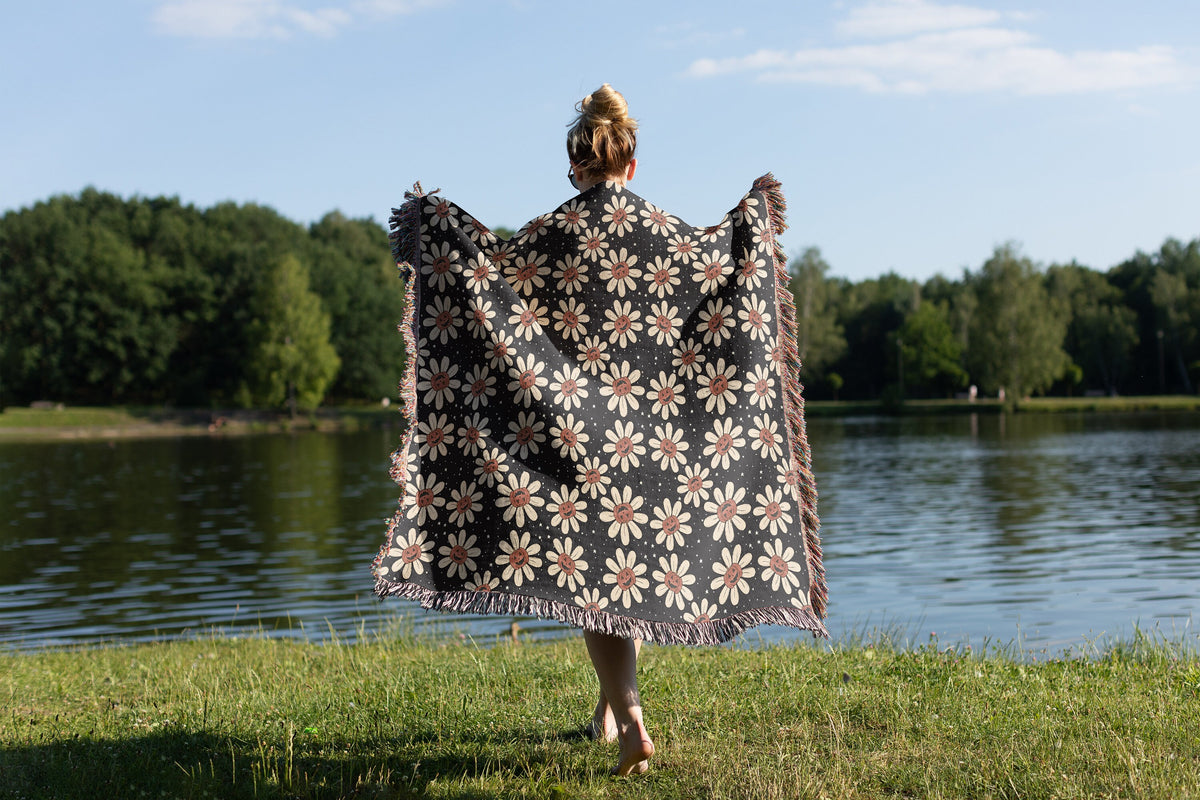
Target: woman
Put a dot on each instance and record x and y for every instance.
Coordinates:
(606, 425)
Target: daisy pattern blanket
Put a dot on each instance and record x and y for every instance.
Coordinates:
(605, 424)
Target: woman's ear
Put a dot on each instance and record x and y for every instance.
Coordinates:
(632, 169)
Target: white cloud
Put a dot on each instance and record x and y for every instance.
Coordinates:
(953, 48)
(278, 19)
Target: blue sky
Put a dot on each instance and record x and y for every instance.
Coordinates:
(910, 135)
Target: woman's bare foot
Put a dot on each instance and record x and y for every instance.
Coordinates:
(603, 727)
(636, 749)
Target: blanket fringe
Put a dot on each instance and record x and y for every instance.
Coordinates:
(689, 633)
(404, 236)
(793, 394)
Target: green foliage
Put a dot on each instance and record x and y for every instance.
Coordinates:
(931, 352)
(819, 337)
(104, 300)
(1017, 332)
(291, 359)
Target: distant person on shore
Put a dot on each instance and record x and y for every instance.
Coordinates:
(606, 425)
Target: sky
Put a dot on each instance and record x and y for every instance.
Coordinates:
(911, 136)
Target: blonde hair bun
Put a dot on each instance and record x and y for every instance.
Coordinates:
(603, 137)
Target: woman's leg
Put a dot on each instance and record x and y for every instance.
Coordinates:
(615, 661)
(603, 725)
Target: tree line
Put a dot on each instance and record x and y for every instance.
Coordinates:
(105, 300)
(1063, 330)
(148, 300)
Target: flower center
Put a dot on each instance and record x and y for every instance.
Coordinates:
(624, 446)
(440, 381)
(458, 554)
(566, 510)
(518, 558)
(733, 575)
(673, 582)
(724, 443)
(779, 566)
(622, 386)
(623, 513)
(566, 563)
(410, 553)
(727, 511)
(719, 385)
(525, 435)
(625, 578)
(424, 498)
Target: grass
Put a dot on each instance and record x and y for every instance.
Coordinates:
(399, 718)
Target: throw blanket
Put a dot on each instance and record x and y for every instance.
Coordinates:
(605, 423)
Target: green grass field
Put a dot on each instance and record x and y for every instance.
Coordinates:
(225, 718)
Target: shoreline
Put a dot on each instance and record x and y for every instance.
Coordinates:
(61, 423)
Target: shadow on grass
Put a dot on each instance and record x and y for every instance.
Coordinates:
(299, 764)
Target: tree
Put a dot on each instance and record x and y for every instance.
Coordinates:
(819, 337)
(871, 312)
(1102, 331)
(291, 359)
(354, 274)
(931, 352)
(1017, 331)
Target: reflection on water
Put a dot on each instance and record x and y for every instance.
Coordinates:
(1063, 528)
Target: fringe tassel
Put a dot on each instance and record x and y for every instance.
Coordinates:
(793, 395)
(689, 633)
(404, 235)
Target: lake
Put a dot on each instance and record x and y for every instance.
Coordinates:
(1050, 531)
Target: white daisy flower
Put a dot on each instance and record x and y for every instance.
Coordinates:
(491, 466)
(674, 581)
(438, 380)
(501, 349)
(668, 445)
(714, 232)
(621, 512)
(442, 320)
(619, 269)
(624, 323)
(779, 566)
(666, 395)
(593, 244)
(440, 263)
(724, 441)
(593, 354)
(531, 230)
(464, 502)
(625, 575)
(482, 583)
(620, 386)
(525, 434)
(566, 563)
(665, 323)
(570, 274)
(772, 511)
(592, 475)
(571, 319)
(658, 221)
(625, 445)
(424, 497)
(569, 386)
(591, 600)
(500, 253)
(747, 210)
(479, 317)
(471, 434)
(444, 215)
(751, 269)
(527, 380)
(725, 512)
(432, 436)
(527, 273)
(704, 611)
(619, 215)
(765, 438)
(760, 384)
(716, 322)
(572, 217)
(519, 499)
(519, 558)
(480, 272)
(687, 358)
(733, 575)
(711, 271)
(480, 385)
(530, 319)
(683, 248)
(755, 318)
(569, 437)
(414, 551)
(662, 276)
(670, 524)
(694, 484)
(458, 555)
(567, 509)
(718, 386)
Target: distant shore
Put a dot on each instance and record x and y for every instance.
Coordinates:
(54, 422)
